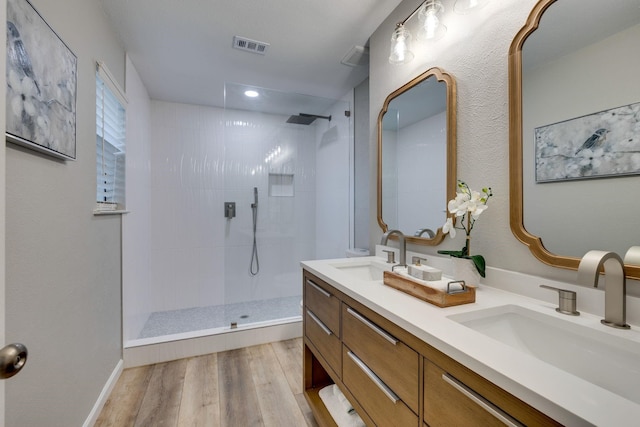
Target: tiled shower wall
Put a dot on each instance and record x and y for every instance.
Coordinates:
(202, 157)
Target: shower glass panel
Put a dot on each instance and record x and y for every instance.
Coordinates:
(286, 166)
(237, 198)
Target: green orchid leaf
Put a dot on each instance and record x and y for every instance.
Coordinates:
(478, 260)
(457, 254)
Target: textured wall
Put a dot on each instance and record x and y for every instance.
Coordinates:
(475, 51)
(63, 263)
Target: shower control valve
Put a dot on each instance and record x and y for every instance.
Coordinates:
(229, 210)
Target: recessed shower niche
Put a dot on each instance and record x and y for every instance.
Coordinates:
(281, 185)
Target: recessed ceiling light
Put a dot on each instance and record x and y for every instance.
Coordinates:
(251, 93)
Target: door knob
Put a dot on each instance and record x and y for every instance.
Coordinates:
(12, 359)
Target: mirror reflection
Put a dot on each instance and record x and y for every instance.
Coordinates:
(416, 137)
(579, 154)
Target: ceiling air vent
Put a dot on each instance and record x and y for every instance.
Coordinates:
(357, 55)
(248, 45)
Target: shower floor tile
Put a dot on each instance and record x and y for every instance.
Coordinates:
(197, 318)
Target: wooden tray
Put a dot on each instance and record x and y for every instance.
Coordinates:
(430, 295)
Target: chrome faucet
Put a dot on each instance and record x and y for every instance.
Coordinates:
(615, 304)
(402, 245)
(429, 232)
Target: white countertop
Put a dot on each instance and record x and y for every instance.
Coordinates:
(566, 398)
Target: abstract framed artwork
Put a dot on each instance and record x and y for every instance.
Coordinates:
(41, 84)
(598, 145)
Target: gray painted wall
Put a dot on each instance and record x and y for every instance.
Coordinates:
(63, 265)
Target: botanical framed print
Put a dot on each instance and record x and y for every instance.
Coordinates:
(598, 145)
(41, 84)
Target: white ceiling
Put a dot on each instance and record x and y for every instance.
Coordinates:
(182, 49)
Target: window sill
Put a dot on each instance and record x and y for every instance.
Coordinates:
(118, 212)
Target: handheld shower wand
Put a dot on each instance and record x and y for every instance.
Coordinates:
(255, 198)
(254, 266)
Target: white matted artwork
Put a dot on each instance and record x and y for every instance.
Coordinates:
(603, 144)
(41, 84)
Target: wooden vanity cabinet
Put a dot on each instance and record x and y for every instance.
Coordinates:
(391, 377)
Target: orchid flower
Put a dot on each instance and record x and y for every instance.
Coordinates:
(449, 228)
(467, 205)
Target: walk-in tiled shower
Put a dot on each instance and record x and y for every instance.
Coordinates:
(288, 182)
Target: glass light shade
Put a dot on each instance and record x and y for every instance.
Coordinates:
(465, 6)
(400, 46)
(431, 27)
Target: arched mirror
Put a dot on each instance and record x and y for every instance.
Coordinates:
(417, 157)
(575, 130)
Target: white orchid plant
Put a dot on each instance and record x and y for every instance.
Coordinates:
(467, 207)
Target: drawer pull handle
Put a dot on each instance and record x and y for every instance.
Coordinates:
(319, 322)
(481, 401)
(375, 328)
(319, 289)
(373, 377)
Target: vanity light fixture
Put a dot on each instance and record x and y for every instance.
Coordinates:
(465, 6)
(400, 46)
(431, 29)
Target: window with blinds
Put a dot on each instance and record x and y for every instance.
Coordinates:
(110, 142)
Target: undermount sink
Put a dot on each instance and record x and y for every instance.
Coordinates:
(369, 270)
(606, 360)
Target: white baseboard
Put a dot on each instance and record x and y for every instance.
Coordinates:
(104, 395)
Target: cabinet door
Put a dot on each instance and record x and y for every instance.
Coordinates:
(449, 402)
(327, 345)
(378, 400)
(392, 360)
(319, 297)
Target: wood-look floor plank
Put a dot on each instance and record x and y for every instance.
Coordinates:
(306, 411)
(123, 404)
(238, 399)
(278, 404)
(200, 405)
(289, 354)
(161, 402)
(246, 387)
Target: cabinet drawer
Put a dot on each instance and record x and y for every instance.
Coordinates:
(324, 340)
(448, 401)
(380, 401)
(392, 360)
(319, 298)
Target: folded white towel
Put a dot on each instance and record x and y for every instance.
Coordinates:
(343, 399)
(337, 409)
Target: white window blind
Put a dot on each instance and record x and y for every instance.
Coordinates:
(110, 139)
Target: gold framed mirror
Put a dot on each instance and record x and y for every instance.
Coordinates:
(572, 60)
(417, 156)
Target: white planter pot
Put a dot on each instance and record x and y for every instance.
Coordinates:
(465, 269)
